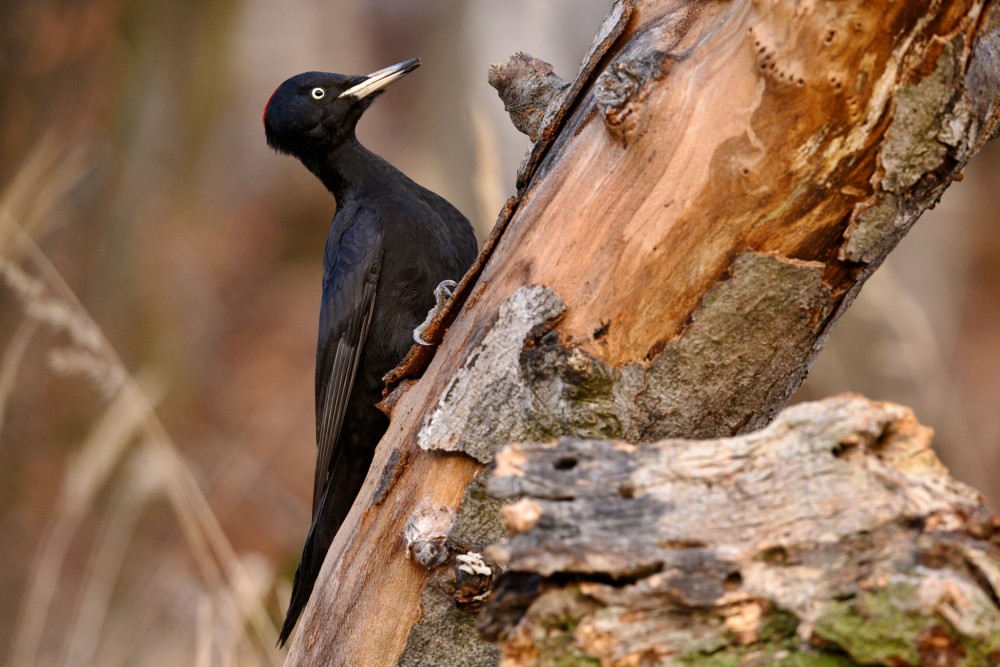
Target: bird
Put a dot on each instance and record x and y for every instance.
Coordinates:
(391, 244)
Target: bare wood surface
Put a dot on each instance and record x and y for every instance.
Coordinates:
(706, 142)
(834, 534)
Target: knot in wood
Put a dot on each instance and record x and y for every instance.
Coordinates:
(426, 534)
(621, 91)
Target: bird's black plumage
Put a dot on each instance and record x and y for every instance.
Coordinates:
(391, 242)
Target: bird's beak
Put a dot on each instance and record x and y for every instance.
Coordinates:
(376, 81)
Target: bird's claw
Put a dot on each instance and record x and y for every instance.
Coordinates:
(442, 295)
(443, 292)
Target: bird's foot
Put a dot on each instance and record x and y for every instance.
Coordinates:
(442, 295)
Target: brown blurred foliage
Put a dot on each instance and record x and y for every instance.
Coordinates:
(134, 159)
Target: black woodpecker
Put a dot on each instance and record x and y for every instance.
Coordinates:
(391, 243)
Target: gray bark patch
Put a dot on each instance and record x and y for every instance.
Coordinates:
(487, 403)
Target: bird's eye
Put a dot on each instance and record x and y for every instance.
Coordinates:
(318, 93)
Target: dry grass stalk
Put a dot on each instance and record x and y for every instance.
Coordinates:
(11, 364)
(130, 415)
(105, 565)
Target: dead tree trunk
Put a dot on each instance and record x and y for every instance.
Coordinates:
(700, 206)
(832, 537)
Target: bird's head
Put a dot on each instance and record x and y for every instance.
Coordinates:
(314, 112)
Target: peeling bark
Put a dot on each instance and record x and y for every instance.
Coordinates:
(700, 205)
(484, 405)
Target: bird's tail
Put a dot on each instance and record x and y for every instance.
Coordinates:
(306, 573)
(363, 428)
(347, 476)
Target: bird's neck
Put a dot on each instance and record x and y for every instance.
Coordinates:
(349, 169)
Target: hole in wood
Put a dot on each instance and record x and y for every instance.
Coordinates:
(565, 463)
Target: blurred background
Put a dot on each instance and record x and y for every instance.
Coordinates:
(159, 286)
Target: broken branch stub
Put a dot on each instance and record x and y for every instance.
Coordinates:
(510, 83)
(835, 517)
(528, 87)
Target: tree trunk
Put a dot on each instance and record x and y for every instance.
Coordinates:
(699, 207)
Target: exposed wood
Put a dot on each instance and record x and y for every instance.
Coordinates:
(834, 534)
(763, 156)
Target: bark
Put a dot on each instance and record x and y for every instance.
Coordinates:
(832, 537)
(700, 205)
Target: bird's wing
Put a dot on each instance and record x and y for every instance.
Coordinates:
(351, 270)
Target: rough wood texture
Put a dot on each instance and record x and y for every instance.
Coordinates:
(529, 88)
(760, 156)
(832, 537)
